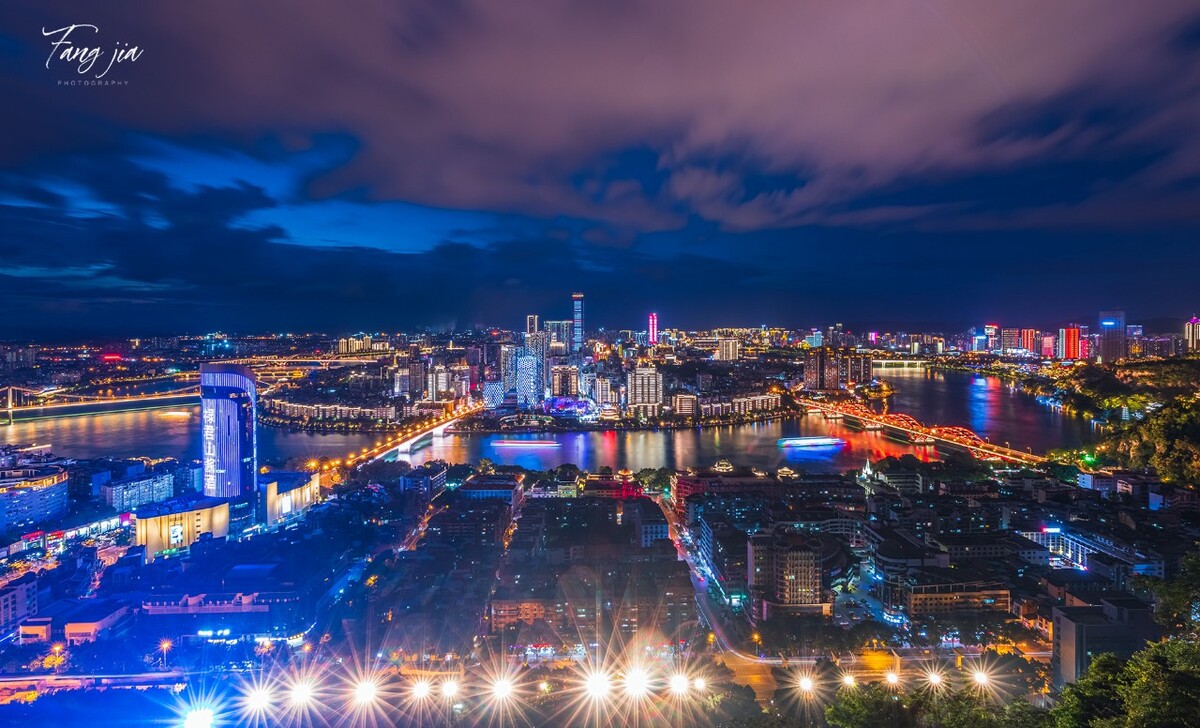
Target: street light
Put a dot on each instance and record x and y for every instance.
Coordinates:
(806, 684)
(421, 689)
(597, 685)
(301, 694)
(848, 680)
(637, 683)
(981, 678)
(449, 689)
(365, 693)
(257, 701)
(502, 689)
(893, 678)
(699, 684)
(680, 684)
(198, 718)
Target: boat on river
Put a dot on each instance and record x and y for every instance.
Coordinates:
(810, 441)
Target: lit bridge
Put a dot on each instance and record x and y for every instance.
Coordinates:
(24, 404)
(405, 440)
(923, 434)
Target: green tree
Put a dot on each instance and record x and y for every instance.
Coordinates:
(1161, 686)
(872, 706)
(1095, 699)
(1178, 600)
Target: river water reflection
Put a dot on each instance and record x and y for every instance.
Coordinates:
(985, 404)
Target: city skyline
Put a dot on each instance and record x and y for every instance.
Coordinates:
(751, 191)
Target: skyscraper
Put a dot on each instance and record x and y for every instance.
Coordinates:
(531, 323)
(1191, 335)
(728, 350)
(1112, 336)
(531, 388)
(645, 391)
(653, 329)
(1029, 340)
(1010, 340)
(1068, 343)
(992, 332)
(227, 404)
(577, 331)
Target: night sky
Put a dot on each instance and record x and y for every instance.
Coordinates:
(379, 165)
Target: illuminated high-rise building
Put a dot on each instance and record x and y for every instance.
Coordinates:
(1068, 343)
(1112, 337)
(653, 329)
(1191, 335)
(531, 323)
(530, 380)
(645, 391)
(992, 332)
(228, 398)
(728, 349)
(560, 332)
(577, 315)
(1049, 345)
(1029, 340)
(1010, 340)
(564, 380)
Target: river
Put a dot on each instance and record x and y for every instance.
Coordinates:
(987, 405)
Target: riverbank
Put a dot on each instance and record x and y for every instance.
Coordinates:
(574, 426)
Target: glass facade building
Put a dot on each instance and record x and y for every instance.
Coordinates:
(228, 398)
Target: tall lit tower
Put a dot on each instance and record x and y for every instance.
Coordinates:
(577, 332)
(531, 323)
(653, 329)
(227, 404)
(1112, 336)
(1191, 335)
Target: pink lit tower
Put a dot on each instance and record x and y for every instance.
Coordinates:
(653, 329)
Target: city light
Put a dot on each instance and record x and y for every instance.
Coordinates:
(421, 689)
(637, 683)
(503, 689)
(699, 684)
(257, 701)
(301, 694)
(449, 689)
(848, 680)
(680, 684)
(598, 685)
(806, 684)
(199, 718)
(892, 678)
(366, 692)
(981, 677)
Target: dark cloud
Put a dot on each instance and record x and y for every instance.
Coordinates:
(513, 107)
(773, 161)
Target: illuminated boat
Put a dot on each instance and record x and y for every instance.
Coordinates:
(833, 415)
(916, 439)
(810, 441)
(526, 443)
(873, 427)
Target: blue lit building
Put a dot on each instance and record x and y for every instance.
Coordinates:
(228, 399)
(577, 320)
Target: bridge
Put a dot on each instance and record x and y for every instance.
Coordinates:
(924, 434)
(61, 404)
(403, 442)
(898, 363)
